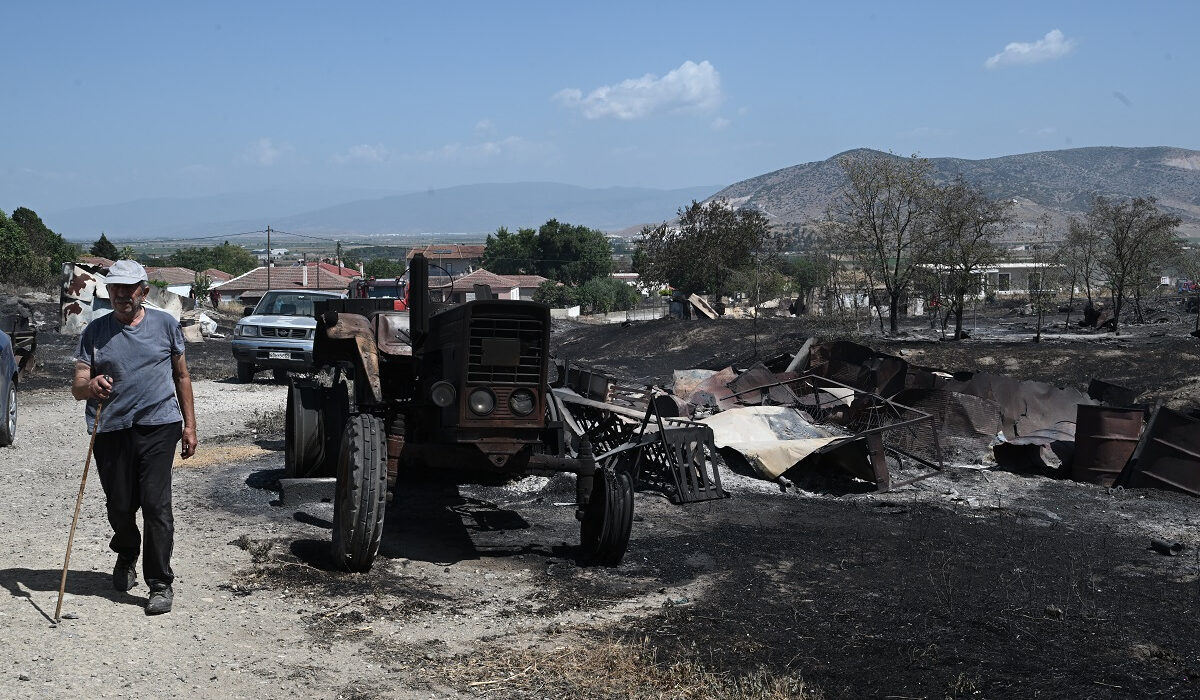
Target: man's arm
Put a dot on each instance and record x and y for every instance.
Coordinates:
(99, 387)
(183, 390)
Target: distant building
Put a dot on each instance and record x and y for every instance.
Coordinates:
(454, 258)
(249, 287)
(179, 280)
(503, 286)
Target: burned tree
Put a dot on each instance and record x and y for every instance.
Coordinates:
(1079, 254)
(1134, 236)
(970, 225)
(884, 211)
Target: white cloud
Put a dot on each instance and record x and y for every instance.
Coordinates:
(1053, 45)
(265, 152)
(484, 126)
(363, 153)
(691, 86)
(513, 147)
(720, 123)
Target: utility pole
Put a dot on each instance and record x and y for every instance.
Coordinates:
(268, 257)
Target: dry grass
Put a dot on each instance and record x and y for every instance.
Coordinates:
(608, 668)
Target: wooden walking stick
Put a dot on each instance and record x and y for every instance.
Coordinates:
(62, 586)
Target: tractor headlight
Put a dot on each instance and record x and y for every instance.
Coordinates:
(443, 394)
(522, 402)
(247, 330)
(482, 401)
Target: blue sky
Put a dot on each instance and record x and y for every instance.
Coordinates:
(112, 102)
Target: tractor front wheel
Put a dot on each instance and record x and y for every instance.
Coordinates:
(361, 493)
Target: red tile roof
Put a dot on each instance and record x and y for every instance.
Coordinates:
(467, 283)
(498, 283)
(217, 275)
(171, 275)
(96, 260)
(450, 251)
(289, 277)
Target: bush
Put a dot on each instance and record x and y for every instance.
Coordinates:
(555, 294)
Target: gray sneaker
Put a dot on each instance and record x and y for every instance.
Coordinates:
(125, 574)
(160, 600)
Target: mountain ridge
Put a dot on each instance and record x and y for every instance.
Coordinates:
(1060, 183)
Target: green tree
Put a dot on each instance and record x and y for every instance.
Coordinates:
(104, 248)
(226, 257)
(601, 295)
(200, 286)
(49, 249)
(555, 294)
(572, 254)
(382, 268)
(16, 254)
(512, 253)
(703, 252)
(883, 215)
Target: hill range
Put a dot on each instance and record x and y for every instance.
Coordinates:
(1058, 183)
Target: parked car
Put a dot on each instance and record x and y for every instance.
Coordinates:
(277, 334)
(8, 391)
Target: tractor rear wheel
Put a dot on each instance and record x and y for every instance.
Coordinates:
(361, 493)
(304, 431)
(607, 518)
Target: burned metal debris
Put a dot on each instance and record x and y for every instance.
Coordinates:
(868, 414)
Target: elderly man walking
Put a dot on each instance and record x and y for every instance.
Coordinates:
(132, 362)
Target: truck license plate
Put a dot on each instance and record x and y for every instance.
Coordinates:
(275, 355)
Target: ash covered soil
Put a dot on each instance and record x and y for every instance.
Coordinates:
(975, 582)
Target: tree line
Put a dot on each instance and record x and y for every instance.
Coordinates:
(892, 227)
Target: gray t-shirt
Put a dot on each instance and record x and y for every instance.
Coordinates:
(138, 358)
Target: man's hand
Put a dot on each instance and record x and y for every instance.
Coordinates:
(189, 443)
(100, 387)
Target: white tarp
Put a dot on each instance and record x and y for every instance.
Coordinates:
(772, 438)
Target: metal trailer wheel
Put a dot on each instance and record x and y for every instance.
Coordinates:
(245, 372)
(8, 420)
(361, 493)
(607, 519)
(304, 431)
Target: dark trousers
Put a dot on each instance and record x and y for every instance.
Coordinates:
(135, 470)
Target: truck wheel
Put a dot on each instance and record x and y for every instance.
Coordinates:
(8, 419)
(361, 493)
(607, 519)
(245, 372)
(304, 431)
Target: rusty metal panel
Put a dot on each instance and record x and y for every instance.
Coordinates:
(1167, 456)
(1105, 438)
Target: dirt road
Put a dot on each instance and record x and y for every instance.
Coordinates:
(974, 583)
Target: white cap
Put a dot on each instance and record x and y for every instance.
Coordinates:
(125, 272)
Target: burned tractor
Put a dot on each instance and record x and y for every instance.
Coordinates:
(462, 388)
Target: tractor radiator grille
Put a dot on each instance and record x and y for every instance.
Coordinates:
(522, 367)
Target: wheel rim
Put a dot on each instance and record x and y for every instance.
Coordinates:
(12, 409)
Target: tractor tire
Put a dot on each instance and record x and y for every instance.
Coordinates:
(607, 518)
(304, 432)
(8, 419)
(245, 372)
(335, 411)
(361, 493)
